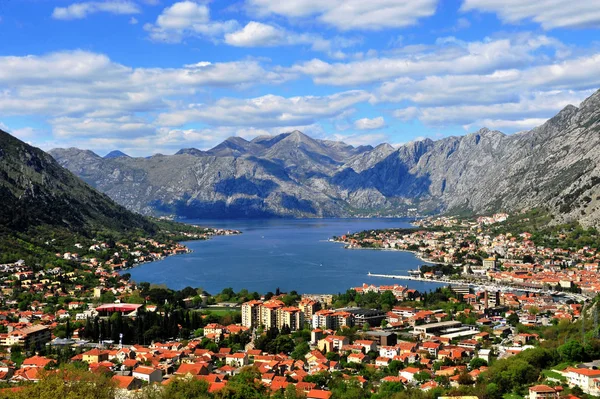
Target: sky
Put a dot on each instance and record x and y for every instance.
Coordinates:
(155, 76)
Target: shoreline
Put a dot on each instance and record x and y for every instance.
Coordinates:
(414, 253)
(187, 252)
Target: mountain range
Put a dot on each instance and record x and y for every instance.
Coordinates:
(555, 166)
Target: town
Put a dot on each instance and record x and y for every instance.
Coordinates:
(371, 341)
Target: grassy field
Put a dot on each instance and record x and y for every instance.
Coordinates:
(221, 311)
(554, 375)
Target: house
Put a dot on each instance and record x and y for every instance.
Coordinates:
(318, 394)
(126, 383)
(36, 361)
(542, 392)
(586, 379)
(94, 356)
(333, 343)
(147, 374)
(237, 359)
(409, 373)
(356, 358)
(382, 361)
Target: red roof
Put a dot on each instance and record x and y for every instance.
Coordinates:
(318, 394)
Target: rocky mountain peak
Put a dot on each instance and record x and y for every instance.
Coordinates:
(116, 154)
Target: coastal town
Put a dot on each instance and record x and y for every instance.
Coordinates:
(371, 338)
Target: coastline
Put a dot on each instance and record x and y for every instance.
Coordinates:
(187, 250)
(414, 253)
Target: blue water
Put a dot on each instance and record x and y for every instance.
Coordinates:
(282, 253)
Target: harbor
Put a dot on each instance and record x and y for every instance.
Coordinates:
(483, 286)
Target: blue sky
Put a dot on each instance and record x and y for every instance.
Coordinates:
(149, 76)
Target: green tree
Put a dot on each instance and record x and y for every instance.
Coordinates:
(571, 351)
(70, 383)
(300, 351)
(183, 388)
(513, 319)
(476, 363)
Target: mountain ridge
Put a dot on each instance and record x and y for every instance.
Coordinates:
(36, 191)
(554, 165)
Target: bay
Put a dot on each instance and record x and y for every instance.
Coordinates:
(289, 254)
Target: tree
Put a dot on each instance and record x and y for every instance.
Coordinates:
(422, 376)
(183, 388)
(513, 319)
(465, 379)
(300, 351)
(395, 366)
(476, 363)
(492, 391)
(572, 351)
(16, 355)
(80, 384)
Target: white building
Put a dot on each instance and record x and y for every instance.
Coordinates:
(586, 379)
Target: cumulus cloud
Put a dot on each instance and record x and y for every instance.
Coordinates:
(83, 9)
(528, 111)
(373, 139)
(369, 124)
(351, 14)
(256, 34)
(265, 111)
(448, 56)
(187, 18)
(86, 94)
(549, 14)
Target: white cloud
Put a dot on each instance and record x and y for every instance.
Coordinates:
(87, 94)
(187, 18)
(548, 13)
(83, 9)
(265, 111)
(373, 139)
(369, 124)
(133, 21)
(524, 113)
(500, 86)
(351, 14)
(256, 34)
(448, 56)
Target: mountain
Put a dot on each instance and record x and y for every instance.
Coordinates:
(191, 151)
(116, 154)
(36, 191)
(555, 165)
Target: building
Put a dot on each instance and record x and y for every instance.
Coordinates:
(290, 317)
(372, 317)
(237, 359)
(542, 392)
(271, 314)
(28, 337)
(147, 374)
(94, 356)
(332, 343)
(432, 328)
(126, 309)
(309, 307)
(331, 320)
(586, 379)
(251, 314)
(460, 289)
(383, 338)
